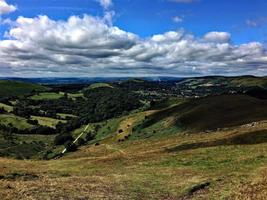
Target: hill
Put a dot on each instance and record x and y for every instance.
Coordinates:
(16, 88)
(240, 81)
(205, 114)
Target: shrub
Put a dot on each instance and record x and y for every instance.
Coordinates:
(80, 142)
(62, 139)
(70, 146)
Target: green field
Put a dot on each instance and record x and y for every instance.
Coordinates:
(18, 122)
(53, 95)
(47, 95)
(47, 121)
(7, 108)
(63, 116)
(98, 85)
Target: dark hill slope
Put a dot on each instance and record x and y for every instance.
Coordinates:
(213, 112)
(16, 88)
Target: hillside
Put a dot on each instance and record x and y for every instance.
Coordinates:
(206, 114)
(240, 81)
(16, 88)
(134, 140)
(218, 165)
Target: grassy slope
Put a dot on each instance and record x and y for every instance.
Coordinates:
(244, 81)
(147, 169)
(15, 88)
(47, 121)
(18, 122)
(47, 95)
(211, 113)
(7, 108)
(53, 95)
(97, 85)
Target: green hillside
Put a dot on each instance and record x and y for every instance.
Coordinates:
(16, 88)
(97, 85)
(205, 114)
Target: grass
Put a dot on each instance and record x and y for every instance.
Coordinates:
(16, 88)
(98, 85)
(54, 95)
(18, 122)
(47, 95)
(210, 113)
(63, 116)
(47, 121)
(7, 108)
(24, 146)
(75, 95)
(143, 169)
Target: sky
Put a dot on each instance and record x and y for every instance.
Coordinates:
(87, 38)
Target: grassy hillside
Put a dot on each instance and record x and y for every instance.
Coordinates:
(16, 88)
(47, 95)
(16, 121)
(97, 85)
(7, 108)
(47, 121)
(241, 81)
(149, 169)
(206, 114)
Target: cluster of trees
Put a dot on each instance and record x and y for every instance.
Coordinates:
(104, 103)
(35, 130)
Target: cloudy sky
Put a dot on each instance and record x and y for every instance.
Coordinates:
(79, 38)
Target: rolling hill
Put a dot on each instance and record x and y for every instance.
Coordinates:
(16, 88)
(208, 113)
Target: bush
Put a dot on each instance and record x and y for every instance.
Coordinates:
(62, 139)
(80, 142)
(89, 136)
(70, 146)
(33, 122)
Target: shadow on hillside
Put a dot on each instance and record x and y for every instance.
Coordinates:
(256, 137)
(212, 112)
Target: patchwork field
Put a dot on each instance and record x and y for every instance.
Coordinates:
(47, 121)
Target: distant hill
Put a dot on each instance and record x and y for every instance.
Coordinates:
(240, 81)
(17, 88)
(97, 85)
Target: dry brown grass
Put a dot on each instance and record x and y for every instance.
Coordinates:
(143, 169)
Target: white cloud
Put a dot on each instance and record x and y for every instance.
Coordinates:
(6, 8)
(221, 37)
(105, 3)
(177, 19)
(88, 46)
(258, 22)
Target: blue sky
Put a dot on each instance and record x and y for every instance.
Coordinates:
(244, 20)
(149, 17)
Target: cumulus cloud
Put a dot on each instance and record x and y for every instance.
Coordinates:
(177, 19)
(6, 8)
(90, 46)
(220, 37)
